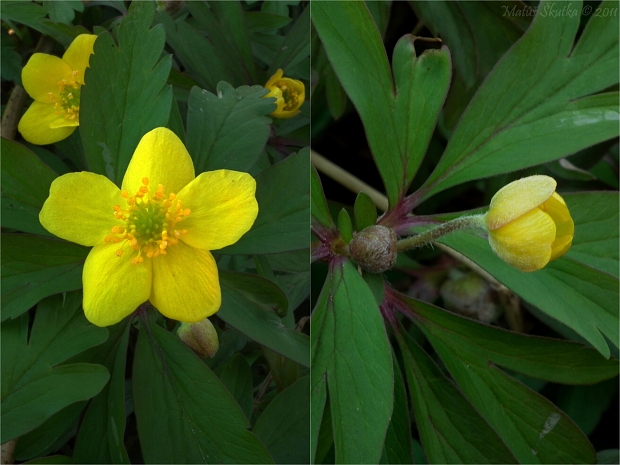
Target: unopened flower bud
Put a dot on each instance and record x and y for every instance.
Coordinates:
(201, 337)
(374, 248)
(470, 295)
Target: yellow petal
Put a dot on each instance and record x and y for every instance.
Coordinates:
(35, 125)
(41, 75)
(223, 206)
(185, 284)
(526, 242)
(275, 78)
(161, 157)
(78, 54)
(565, 228)
(517, 198)
(80, 208)
(113, 287)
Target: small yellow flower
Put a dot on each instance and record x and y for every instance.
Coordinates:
(289, 94)
(54, 84)
(529, 223)
(151, 240)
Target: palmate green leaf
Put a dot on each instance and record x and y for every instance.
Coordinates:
(35, 267)
(283, 221)
(295, 47)
(533, 428)
(184, 413)
(228, 130)
(398, 448)
(102, 429)
(62, 12)
(284, 426)
(35, 384)
(318, 396)
(585, 405)
(450, 429)
(534, 106)
(398, 121)
(351, 350)
(224, 23)
(259, 21)
(208, 66)
(125, 93)
(256, 317)
(20, 216)
(577, 289)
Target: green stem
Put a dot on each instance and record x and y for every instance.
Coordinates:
(422, 239)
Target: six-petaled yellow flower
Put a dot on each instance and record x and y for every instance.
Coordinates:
(289, 95)
(529, 223)
(54, 84)
(151, 239)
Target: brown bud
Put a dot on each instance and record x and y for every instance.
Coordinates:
(201, 337)
(374, 249)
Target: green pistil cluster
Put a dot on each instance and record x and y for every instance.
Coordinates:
(147, 223)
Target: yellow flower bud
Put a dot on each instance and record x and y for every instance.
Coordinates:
(529, 224)
(201, 337)
(289, 95)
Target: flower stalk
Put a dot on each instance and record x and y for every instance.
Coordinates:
(422, 239)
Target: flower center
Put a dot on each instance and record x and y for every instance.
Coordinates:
(68, 105)
(150, 222)
(290, 95)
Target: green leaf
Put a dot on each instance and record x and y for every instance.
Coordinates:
(40, 441)
(585, 405)
(284, 426)
(62, 12)
(295, 47)
(398, 121)
(318, 397)
(36, 267)
(25, 177)
(351, 350)
(345, 226)
(259, 21)
(533, 428)
(20, 216)
(365, 212)
(226, 28)
(125, 93)
(34, 383)
(53, 459)
(570, 289)
(187, 415)
(398, 448)
(228, 130)
(102, 428)
(283, 221)
(321, 218)
(256, 317)
(534, 105)
(450, 429)
(236, 375)
(208, 67)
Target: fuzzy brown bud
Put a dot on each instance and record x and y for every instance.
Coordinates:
(374, 249)
(201, 337)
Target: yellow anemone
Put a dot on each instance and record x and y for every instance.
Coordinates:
(54, 84)
(289, 95)
(529, 223)
(151, 240)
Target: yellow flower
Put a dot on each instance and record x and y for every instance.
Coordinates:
(289, 94)
(529, 224)
(151, 240)
(54, 84)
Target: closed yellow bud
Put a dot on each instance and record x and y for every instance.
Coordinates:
(289, 95)
(529, 224)
(201, 337)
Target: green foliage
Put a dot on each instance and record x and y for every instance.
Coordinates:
(521, 95)
(125, 95)
(36, 383)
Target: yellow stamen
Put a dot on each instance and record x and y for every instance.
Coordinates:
(150, 222)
